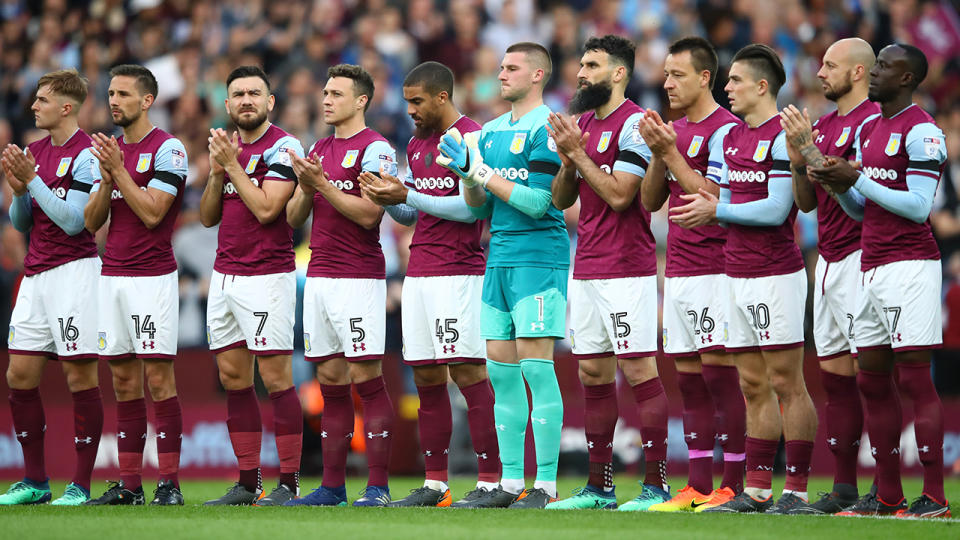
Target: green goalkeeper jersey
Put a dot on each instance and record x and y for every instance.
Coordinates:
(522, 152)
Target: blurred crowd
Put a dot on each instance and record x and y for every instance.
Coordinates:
(191, 46)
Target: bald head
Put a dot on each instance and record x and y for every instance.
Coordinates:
(846, 69)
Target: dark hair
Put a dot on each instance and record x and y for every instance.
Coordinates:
(621, 50)
(916, 63)
(65, 82)
(765, 64)
(434, 77)
(146, 82)
(702, 54)
(248, 71)
(362, 81)
(537, 53)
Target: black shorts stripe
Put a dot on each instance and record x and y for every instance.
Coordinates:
(633, 158)
(167, 177)
(924, 165)
(81, 186)
(284, 171)
(545, 167)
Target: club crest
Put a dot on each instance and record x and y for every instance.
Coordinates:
(695, 145)
(350, 159)
(143, 163)
(516, 145)
(893, 144)
(252, 164)
(604, 142)
(844, 136)
(761, 152)
(64, 166)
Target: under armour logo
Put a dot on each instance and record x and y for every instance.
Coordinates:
(764, 468)
(820, 138)
(382, 435)
(449, 349)
(690, 436)
(323, 434)
(428, 453)
(148, 345)
(162, 435)
(764, 335)
(22, 435)
(622, 344)
(359, 347)
(706, 339)
(832, 441)
(792, 469)
(501, 427)
(85, 440)
(349, 435)
(873, 450)
(898, 337)
(895, 452)
(867, 143)
(536, 327)
(416, 156)
(722, 437)
(589, 444)
(488, 145)
(924, 449)
(482, 455)
(541, 421)
(647, 444)
(72, 346)
(731, 151)
(260, 342)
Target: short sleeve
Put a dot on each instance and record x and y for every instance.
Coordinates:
(86, 171)
(278, 160)
(633, 153)
(170, 167)
(380, 155)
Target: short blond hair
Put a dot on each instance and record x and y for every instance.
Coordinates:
(66, 82)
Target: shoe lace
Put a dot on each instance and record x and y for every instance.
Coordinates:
(923, 498)
(73, 490)
(867, 501)
(480, 491)
(115, 487)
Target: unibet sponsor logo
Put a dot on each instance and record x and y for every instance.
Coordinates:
(747, 176)
(342, 185)
(512, 173)
(115, 194)
(230, 189)
(876, 173)
(434, 182)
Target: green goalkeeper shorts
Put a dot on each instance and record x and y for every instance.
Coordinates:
(524, 302)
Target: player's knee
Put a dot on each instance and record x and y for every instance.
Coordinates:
(787, 385)
(161, 384)
(465, 375)
(81, 377)
(22, 377)
(430, 376)
(754, 388)
(639, 370)
(276, 381)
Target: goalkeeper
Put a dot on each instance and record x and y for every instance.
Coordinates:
(525, 284)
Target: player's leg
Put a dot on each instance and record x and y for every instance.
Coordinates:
(265, 308)
(474, 384)
(539, 298)
(235, 368)
(322, 345)
(82, 381)
(914, 335)
(30, 342)
(435, 426)
(23, 376)
(360, 319)
(785, 368)
(244, 424)
(723, 381)
(158, 301)
(834, 301)
(597, 369)
(421, 328)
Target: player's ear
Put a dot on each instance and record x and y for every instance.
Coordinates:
(705, 78)
(362, 101)
(148, 101)
(762, 87)
(271, 102)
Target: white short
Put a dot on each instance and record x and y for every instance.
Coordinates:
(441, 320)
(55, 313)
(694, 314)
(899, 307)
(766, 312)
(256, 312)
(834, 303)
(613, 317)
(344, 318)
(139, 316)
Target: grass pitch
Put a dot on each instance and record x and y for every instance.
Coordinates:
(195, 521)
